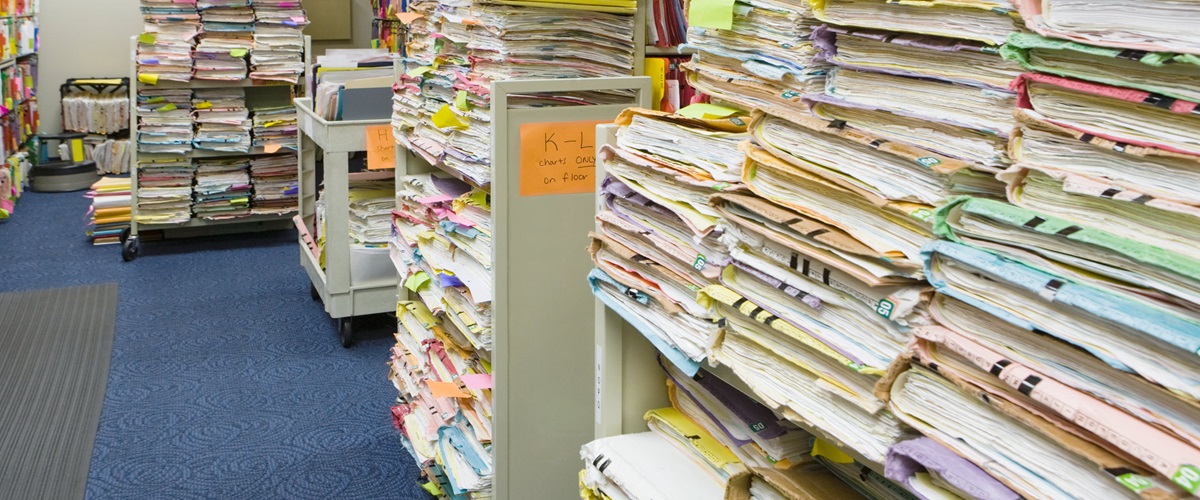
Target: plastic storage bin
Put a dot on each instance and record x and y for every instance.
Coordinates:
(369, 265)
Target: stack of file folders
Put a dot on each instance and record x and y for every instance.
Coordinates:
(275, 128)
(666, 24)
(278, 54)
(164, 121)
(457, 49)
(112, 156)
(222, 120)
(227, 36)
(962, 250)
(275, 184)
(222, 189)
(441, 363)
(371, 204)
(110, 211)
(164, 191)
(164, 49)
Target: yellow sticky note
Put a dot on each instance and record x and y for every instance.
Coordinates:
(168, 107)
(714, 14)
(418, 71)
(148, 78)
(272, 123)
(147, 38)
(204, 105)
(445, 118)
(707, 111)
(272, 148)
(416, 281)
(156, 100)
(432, 488)
(408, 17)
(460, 101)
(238, 52)
(77, 150)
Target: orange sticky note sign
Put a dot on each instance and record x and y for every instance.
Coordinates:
(558, 158)
(381, 148)
(272, 148)
(445, 389)
(408, 17)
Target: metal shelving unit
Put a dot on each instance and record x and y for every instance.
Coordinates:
(131, 239)
(336, 139)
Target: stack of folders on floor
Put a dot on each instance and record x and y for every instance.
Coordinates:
(275, 128)
(278, 54)
(222, 188)
(222, 119)
(275, 184)
(110, 211)
(457, 49)
(983, 279)
(164, 121)
(227, 36)
(666, 24)
(164, 49)
(371, 204)
(441, 363)
(164, 191)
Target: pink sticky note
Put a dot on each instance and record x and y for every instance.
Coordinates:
(457, 219)
(408, 17)
(478, 382)
(434, 199)
(445, 389)
(299, 19)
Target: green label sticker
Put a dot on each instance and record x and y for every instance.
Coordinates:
(788, 94)
(885, 308)
(738, 121)
(1134, 482)
(1188, 476)
(928, 161)
(758, 426)
(720, 185)
(921, 214)
(699, 263)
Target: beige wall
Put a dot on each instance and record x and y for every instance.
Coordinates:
(90, 38)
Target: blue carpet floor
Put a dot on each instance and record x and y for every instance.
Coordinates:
(227, 380)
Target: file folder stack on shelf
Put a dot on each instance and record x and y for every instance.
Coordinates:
(222, 188)
(442, 359)
(961, 244)
(456, 50)
(164, 121)
(222, 120)
(274, 179)
(165, 191)
(666, 24)
(110, 211)
(371, 204)
(227, 36)
(278, 54)
(275, 128)
(164, 50)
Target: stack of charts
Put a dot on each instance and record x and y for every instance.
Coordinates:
(222, 188)
(442, 245)
(371, 204)
(164, 188)
(110, 211)
(278, 54)
(222, 120)
(275, 128)
(275, 186)
(164, 49)
(164, 121)
(441, 107)
(227, 36)
(955, 238)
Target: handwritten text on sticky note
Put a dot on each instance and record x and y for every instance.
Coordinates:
(558, 157)
(381, 148)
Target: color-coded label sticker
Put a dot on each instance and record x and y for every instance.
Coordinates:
(148, 78)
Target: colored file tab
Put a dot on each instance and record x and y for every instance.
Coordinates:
(446, 390)
(460, 101)
(706, 111)
(478, 381)
(147, 38)
(416, 281)
(445, 118)
(238, 52)
(715, 14)
(148, 78)
(408, 17)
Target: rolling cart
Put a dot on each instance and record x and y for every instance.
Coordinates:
(332, 285)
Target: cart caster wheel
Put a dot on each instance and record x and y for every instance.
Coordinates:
(312, 290)
(125, 235)
(346, 331)
(130, 248)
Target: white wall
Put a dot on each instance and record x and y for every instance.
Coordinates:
(90, 38)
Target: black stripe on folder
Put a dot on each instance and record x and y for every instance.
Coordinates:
(1161, 101)
(878, 142)
(1028, 384)
(805, 270)
(825, 276)
(1143, 199)
(1131, 54)
(1069, 230)
(794, 261)
(999, 367)
(816, 233)
(738, 303)
(1087, 137)
(757, 310)
(1054, 285)
(838, 124)
(771, 320)
(1034, 222)
(1110, 192)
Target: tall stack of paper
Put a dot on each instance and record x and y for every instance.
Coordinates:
(441, 107)
(164, 121)
(371, 204)
(165, 191)
(275, 128)
(223, 122)
(275, 184)
(110, 212)
(222, 188)
(442, 359)
(227, 36)
(164, 49)
(278, 54)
